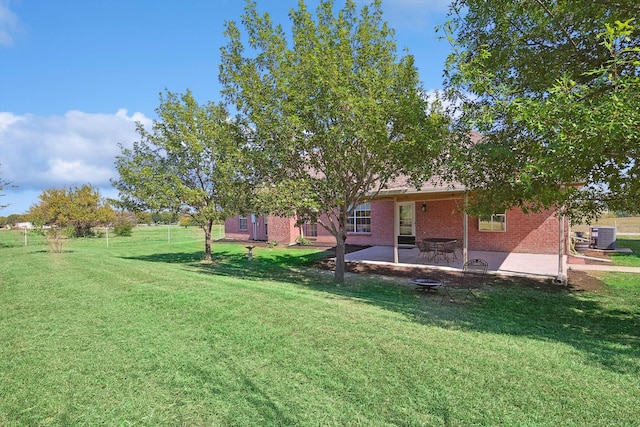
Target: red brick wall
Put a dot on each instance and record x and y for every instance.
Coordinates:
(528, 233)
(253, 232)
(441, 219)
(382, 228)
(282, 230)
(532, 233)
(232, 229)
(324, 237)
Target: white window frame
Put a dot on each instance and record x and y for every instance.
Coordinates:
(495, 223)
(241, 220)
(358, 222)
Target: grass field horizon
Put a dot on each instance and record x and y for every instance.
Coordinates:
(143, 333)
(624, 225)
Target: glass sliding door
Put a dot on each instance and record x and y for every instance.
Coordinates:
(406, 223)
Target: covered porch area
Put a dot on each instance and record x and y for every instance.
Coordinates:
(543, 266)
(512, 242)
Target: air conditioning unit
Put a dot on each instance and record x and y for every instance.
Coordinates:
(603, 238)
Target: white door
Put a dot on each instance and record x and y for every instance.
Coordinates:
(406, 218)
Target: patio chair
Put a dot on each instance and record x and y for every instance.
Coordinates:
(430, 249)
(459, 247)
(449, 251)
(473, 273)
(422, 247)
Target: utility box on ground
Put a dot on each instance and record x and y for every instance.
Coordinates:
(603, 238)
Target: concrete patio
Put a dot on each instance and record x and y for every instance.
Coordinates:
(506, 263)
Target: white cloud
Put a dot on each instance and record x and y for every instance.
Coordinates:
(9, 24)
(6, 120)
(61, 151)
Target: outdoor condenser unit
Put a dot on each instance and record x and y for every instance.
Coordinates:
(603, 237)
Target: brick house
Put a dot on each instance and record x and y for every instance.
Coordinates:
(400, 214)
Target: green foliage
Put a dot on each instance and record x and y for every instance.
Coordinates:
(78, 208)
(333, 113)
(164, 217)
(10, 220)
(186, 221)
(125, 221)
(555, 90)
(303, 241)
(144, 217)
(56, 236)
(124, 229)
(191, 162)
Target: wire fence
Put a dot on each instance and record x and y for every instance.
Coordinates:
(170, 233)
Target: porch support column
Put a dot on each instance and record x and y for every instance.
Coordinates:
(465, 232)
(396, 230)
(561, 245)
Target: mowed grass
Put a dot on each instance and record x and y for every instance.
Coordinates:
(143, 333)
(629, 260)
(624, 225)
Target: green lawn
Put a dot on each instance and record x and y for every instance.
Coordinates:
(629, 260)
(142, 333)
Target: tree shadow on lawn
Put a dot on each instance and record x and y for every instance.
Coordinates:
(298, 269)
(607, 336)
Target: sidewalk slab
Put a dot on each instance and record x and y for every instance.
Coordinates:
(615, 268)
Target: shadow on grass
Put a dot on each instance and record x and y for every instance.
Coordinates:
(605, 328)
(293, 268)
(606, 333)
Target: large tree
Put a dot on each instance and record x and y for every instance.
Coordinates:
(334, 113)
(190, 162)
(554, 87)
(80, 208)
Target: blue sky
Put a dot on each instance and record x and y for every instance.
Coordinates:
(75, 76)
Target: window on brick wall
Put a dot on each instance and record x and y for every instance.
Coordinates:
(310, 229)
(495, 222)
(243, 223)
(359, 219)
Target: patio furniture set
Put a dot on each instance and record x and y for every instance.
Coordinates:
(438, 249)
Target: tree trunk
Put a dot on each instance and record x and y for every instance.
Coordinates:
(341, 239)
(207, 239)
(340, 250)
(338, 230)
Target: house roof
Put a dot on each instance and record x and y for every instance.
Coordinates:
(401, 185)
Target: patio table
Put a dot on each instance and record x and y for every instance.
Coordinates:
(440, 243)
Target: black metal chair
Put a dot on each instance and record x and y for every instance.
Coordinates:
(449, 250)
(422, 248)
(428, 249)
(473, 275)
